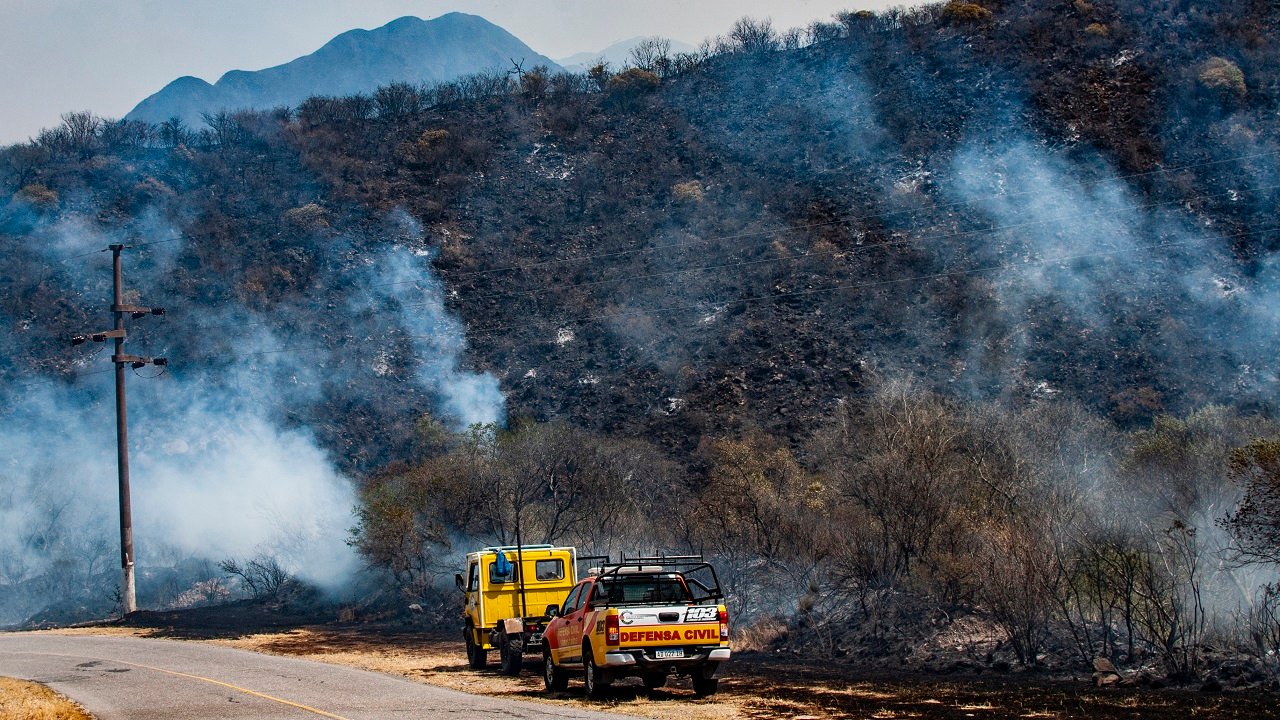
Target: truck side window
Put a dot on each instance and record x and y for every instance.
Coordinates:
(582, 596)
(496, 577)
(549, 569)
(473, 577)
(569, 602)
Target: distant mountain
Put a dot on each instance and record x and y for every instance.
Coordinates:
(617, 54)
(406, 50)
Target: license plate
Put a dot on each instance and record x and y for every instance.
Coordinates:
(677, 653)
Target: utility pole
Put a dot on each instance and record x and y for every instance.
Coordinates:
(128, 595)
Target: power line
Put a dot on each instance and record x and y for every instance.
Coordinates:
(60, 379)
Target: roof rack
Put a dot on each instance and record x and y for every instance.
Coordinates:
(662, 560)
(686, 565)
(514, 548)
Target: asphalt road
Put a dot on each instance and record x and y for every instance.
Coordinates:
(138, 679)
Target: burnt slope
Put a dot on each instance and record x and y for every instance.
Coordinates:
(1056, 199)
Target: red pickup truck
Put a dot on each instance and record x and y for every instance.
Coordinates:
(646, 617)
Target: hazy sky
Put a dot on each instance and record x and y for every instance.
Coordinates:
(107, 55)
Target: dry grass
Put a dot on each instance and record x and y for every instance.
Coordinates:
(22, 700)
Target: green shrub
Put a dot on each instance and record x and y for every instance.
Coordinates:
(1222, 75)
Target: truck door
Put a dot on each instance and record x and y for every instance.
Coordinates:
(571, 640)
(473, 591)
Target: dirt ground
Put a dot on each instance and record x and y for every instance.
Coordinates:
(757, 685)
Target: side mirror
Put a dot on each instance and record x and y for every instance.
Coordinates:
(552, 611)
(457, 580)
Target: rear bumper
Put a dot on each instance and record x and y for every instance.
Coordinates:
(646, 658)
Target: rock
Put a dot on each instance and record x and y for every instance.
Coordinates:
(1105, 672)
(1103, 679)
(1103, 665)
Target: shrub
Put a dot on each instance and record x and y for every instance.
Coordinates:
(308, 217)
(38, 195)
(1222, 75)
(426, 150)
(963, 12)
(262, 577)
(690, 191)
(634, 80)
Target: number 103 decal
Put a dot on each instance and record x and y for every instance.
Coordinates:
(701, 613)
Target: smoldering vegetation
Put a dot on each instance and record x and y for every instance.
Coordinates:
(1041, 536)
(953, 322)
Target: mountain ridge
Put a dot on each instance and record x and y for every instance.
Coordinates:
(407, 49)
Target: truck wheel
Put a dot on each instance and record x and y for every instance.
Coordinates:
(705, 687)
(595, 678)
(477, 658)
(511, 651)
(555, 679)
(653, 681)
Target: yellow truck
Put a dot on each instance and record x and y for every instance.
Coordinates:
(501, 585)
(651, 617)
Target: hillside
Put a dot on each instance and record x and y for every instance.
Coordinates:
(407, 50)
(905, 314)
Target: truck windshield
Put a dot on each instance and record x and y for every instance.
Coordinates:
(633, 590)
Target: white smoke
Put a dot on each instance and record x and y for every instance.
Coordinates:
(224, 464)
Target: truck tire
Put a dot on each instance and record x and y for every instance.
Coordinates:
(705, 687)
(555, 679)
(477, 657)
(511, 652)
(596, 679)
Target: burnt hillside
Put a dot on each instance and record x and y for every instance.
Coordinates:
(1008, 200)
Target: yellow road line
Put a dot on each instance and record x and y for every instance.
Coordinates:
(246, 691)
(237, 688)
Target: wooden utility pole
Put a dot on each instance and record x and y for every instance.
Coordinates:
(128, 593)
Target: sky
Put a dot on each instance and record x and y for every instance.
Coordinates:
(107, 55)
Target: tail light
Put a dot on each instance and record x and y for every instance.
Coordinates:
(611, 634)
(724, 623)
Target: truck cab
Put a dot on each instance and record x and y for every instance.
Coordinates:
(646, 617)
(506, 589)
